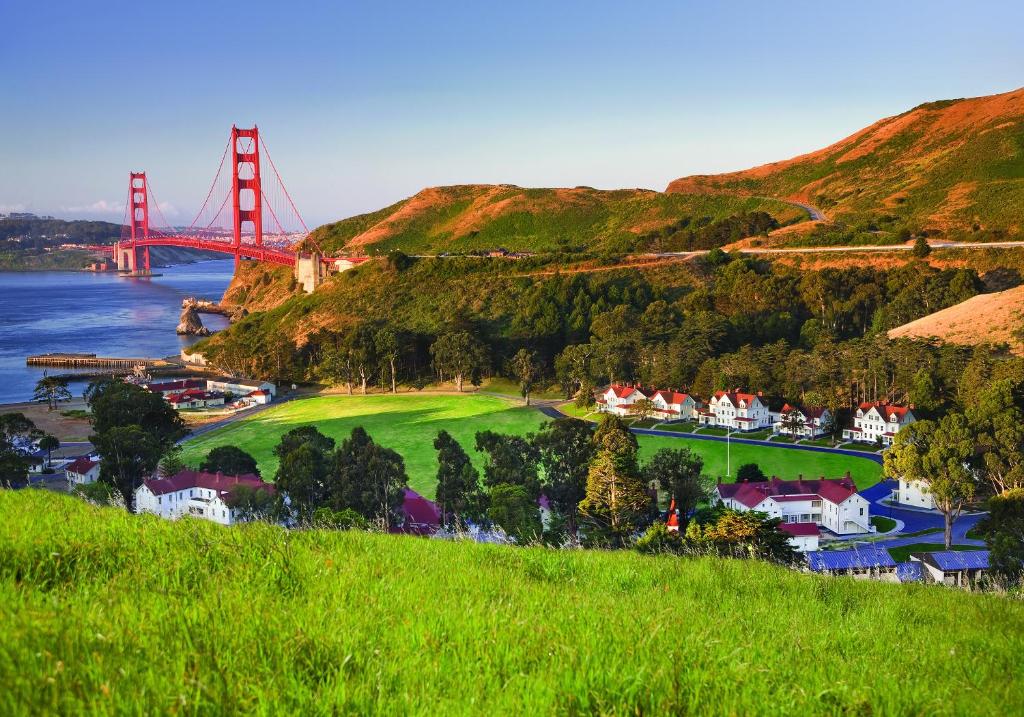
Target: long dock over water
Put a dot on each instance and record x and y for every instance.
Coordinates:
(69, 360)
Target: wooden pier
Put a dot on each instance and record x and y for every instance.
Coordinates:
(67, 360)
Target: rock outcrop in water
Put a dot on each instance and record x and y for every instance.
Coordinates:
(191, 324)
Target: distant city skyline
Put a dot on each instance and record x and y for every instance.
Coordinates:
(363, 106)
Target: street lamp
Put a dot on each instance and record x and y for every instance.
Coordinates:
(728, 452)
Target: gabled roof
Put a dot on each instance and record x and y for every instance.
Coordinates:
(672, 397)
(887, 409)
(861, 558)
(810, 412)
(952, 560)
(623, 391)
(834, 490)
(735, 397)
(81, 465)
(219, 482)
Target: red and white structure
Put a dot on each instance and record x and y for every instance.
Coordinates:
(197, 494)
(829, 503)
(878, 422)
(814, 421)
(736, 410)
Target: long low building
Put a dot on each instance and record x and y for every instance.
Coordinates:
(832, 503)
(196, 493)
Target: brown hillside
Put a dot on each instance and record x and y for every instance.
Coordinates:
(951, 165)
(986, 318)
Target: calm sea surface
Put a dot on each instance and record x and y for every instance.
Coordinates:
(105, 314)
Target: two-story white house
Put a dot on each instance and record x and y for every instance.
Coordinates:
(736, 410)
(814, 421)
(833, 504)
(913, 493)
(878, 421)
(674, 406)
(619, 398)
(195, 493)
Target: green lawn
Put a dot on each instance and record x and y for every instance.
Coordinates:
(883, 524)
(408, 423)
(901, 553)
(102, 612)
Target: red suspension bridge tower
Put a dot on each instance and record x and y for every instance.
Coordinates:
(240, 231)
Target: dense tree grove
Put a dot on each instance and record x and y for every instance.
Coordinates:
(725, 321)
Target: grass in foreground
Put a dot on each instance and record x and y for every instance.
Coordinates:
(408, 424)
(102, 612)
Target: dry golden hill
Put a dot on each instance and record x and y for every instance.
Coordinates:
(481, 217)
(952, 165)
(986, 318)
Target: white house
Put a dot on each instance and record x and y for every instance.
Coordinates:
(82, 470)
(833, 504)
(674, 406)
(196, 398)
(913, 493)
(815, 421)
(240, 387)
(195, 493)
(803, 537)
(878, 421)
(619, 398)
(259, 396)
(736, 410)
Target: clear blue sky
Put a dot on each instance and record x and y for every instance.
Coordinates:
(365, 103)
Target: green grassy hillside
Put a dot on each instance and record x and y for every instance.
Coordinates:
(102, 612)
(955, 165)
(408, 424)
(480, 217)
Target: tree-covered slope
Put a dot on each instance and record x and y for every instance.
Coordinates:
(954, 165)
(476, 217)
(102, 612)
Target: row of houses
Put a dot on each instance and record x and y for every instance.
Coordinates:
(742, 411)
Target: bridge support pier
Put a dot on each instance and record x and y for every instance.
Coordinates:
(309, 271)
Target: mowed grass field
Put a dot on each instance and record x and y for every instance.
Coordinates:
(408, 424)
(103, 612)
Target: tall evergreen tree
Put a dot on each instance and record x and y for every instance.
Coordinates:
(511, 460)
(367, 478)
(616, 497)
(458, 494)
(566, 447)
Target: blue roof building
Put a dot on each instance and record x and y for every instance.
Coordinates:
(866, 561)
(953, 567)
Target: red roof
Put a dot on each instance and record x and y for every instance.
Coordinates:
(811, 413)
(672, 397)
(800, 529)
(259, 392)
(219, 482)
(182, 385)
(81, 465)
(735, 397)
(886, 409)
(625, 391)
(834, 490)
(420, 516)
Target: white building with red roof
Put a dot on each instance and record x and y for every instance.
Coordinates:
(736, 410)
(82, 470)
(833, 504)
(804, 537)
(197, 494)
(815, 421)
(878, 421)
(674, 405)
(619, 398)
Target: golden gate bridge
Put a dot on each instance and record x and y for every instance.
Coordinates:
(262, 223)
